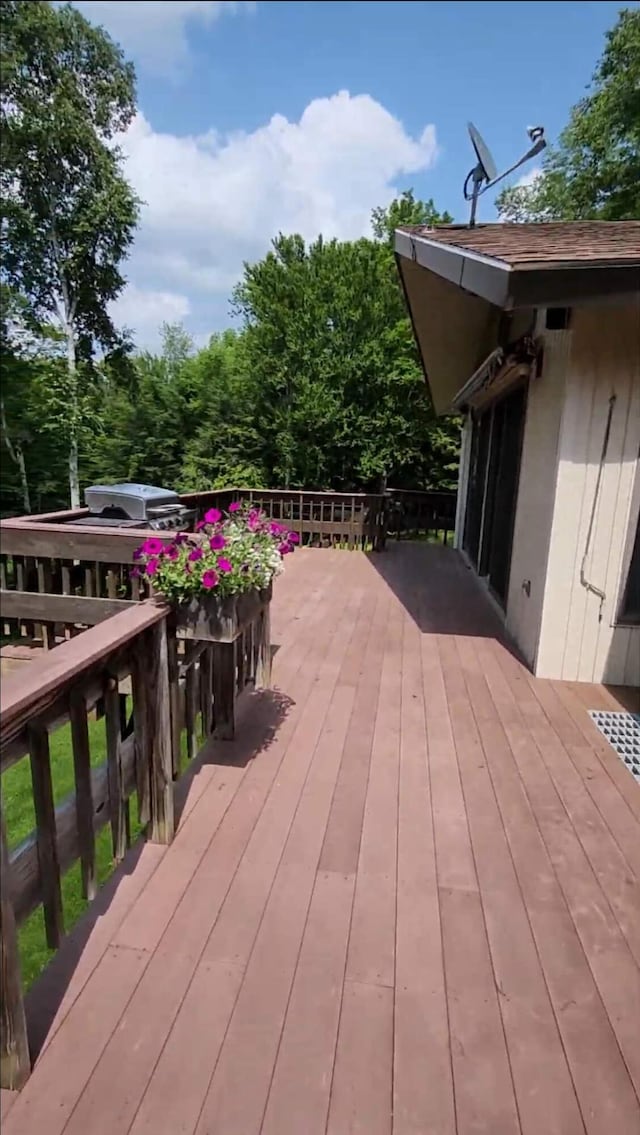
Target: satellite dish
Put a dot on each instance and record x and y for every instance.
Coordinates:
(483, 153)
(485, 173)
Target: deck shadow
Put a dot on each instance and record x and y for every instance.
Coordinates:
(259, 715)
(440, 592)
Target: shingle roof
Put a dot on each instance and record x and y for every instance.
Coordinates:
(555, 243)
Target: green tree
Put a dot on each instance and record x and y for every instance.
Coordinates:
(227, 446)
(31, 394)
(341, 399)
(68, 214)
(594, 172)
(406, 210)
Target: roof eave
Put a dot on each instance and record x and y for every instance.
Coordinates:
(507, 286)
(477, 274)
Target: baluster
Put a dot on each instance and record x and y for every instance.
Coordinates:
(117, 803)
(15, 1064)
(84, 793)
(190, 697)
(44, 586)
(44, 808)
(159, 738)
(141, 726)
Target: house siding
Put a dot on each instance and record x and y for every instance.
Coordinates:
(534, 511)
(579, 639)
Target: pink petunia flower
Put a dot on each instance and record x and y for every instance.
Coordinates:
(199, 525)
(152, 546)
(213, 516)
(235, 506)
(171, 552)
(139, 553)
(181, 538)
(293, 538)
(209, 579)
(152, 566)
(276, 529)
(135, 573)
(217, 542)
(195, 554)
(224, 565)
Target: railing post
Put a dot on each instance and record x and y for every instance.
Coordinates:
(159, 737)
(15, 1063)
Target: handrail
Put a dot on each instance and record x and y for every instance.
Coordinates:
(37, 686)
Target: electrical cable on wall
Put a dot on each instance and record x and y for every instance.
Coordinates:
(603, 456)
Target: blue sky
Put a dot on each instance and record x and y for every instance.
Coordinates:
(267, 116)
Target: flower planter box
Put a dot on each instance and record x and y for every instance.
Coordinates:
(211, 618)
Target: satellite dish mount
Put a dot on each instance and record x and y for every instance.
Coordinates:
(485, 173)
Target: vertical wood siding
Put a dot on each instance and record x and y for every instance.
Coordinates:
(579, 638)
(536, 492)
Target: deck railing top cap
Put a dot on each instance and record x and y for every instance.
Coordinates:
(43, 677)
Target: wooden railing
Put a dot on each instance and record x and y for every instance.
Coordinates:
(412, 513)
(321, 519)
(43, 555)
(158, 694)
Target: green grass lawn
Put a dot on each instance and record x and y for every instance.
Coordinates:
(17, 800)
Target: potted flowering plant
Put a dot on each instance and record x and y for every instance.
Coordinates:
(218, 577)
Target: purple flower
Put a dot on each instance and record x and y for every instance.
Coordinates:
(152, 546)
(171, 551)
(135, 573)
(224, 565)
(217, 542)
(152, 566)
(139, 553)
(276, 529)
(213, 516)
(199, 525)
(195, 554)
(181, 538)
(235, 506)
(293, 538)
(284, 548)
(209, 579)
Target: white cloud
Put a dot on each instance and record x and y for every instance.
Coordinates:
(144, 311)
(155, 31)
(213, 201)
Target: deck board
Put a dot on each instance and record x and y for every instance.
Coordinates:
(404, 900)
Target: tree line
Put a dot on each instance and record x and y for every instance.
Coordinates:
(319, 386)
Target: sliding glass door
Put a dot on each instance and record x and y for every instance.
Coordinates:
(494, 473)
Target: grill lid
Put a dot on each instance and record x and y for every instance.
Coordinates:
(136, 501)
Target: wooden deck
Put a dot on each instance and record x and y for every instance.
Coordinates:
(406, 900)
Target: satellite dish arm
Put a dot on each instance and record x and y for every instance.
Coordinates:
(539, 146)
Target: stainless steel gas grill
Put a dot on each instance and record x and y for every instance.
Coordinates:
(134, 506)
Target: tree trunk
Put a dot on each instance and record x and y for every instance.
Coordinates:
(72, 367)
(24, 483)
(16, 453)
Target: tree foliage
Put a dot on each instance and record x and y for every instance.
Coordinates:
(594, 172)
(68, 214)
(341, 400)
(320, 388)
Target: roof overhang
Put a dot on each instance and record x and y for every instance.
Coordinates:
(456, 298)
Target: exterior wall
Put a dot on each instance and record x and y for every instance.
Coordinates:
(536, 492)
(579, 638)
